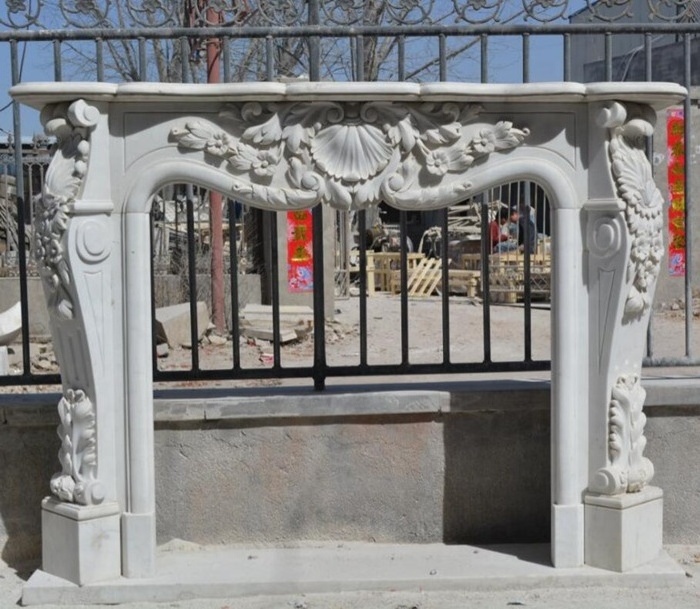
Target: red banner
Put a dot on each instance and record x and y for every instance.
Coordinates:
(300, 254)
(676, 190)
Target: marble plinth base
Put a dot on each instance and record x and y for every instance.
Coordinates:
(191, 571)
(623, 531)
(80, 543)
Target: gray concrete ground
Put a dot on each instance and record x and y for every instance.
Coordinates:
(684, 595)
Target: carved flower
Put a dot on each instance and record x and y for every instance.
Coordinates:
(439, 162)
(220, 144)
(264, 164)
(50, 222)
(485, 143)
(199, 135)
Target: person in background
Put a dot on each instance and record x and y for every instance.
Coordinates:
(497, 234)
(511, 229)
(527, 230)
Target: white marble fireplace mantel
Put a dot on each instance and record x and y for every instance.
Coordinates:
(348, 145)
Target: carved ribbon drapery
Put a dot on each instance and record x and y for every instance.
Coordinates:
(347, 155)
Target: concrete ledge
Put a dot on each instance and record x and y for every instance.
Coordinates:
(217, 572)
(665, 396)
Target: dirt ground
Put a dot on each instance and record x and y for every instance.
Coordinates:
(425, 340)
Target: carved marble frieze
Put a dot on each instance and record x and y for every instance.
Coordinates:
(630, 126)
(628, 471)
(348, 155)
(77, 481)
(71, 125)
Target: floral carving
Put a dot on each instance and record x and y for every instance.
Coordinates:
(64, 178)
(644, 203)
(348, 155)
(77, 482)
(628, 470)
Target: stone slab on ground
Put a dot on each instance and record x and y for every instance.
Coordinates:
(173, 326)
(187, 571)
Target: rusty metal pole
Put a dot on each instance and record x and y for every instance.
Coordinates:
(213, 17)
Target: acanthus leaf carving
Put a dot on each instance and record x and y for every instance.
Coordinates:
(348, 155)
(70, 124)
(643, 207)
(628, 470)
(77, 481)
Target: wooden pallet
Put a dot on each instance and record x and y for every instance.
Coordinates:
(423, 280)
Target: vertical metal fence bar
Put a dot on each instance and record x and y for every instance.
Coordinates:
(567, 57)
(442, 49)
(192, 277)
(608, 56)
(405, 345)
(650, 152)
(319, 368)
(154, 257)
(687, 132)
(401, 58)
(184, 63)
(648, 48)
(21, 236)
(275, 272)
(484, 58)
(269, 58)
(57, 65)
(314, 43)
(99, 59)
(526, 57)
(485, 277)
(319, 301)
(359, 58)
(226, 57)
(529, 249)
(143, 61)
(445, 296)
(233, 277)
(362, 238)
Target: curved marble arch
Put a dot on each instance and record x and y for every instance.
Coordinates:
(347, 145)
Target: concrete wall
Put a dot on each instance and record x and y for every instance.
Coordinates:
(458, 464)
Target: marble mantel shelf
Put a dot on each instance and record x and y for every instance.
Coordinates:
(283, 146)
(657, 95)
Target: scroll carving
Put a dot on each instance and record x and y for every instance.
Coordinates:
(77, 482)
(348, 155)
(628, 470)
(70, 124)
(643, 202)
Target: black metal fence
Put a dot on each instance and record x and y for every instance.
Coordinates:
(374, 257)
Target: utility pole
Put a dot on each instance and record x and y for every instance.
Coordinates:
(213, 17)
(216, 207)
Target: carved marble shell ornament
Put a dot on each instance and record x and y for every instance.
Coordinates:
(348, 155)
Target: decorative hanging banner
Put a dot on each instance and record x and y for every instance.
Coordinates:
(300, 255)
(676, 188)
